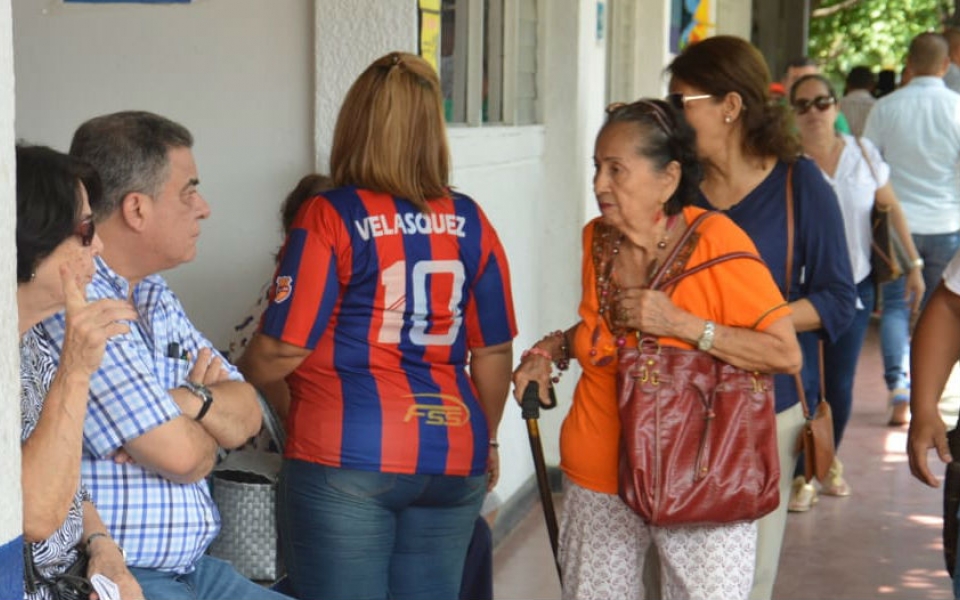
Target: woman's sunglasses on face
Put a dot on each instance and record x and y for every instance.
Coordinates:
(85, 231)
(679, 101)
(821, 103)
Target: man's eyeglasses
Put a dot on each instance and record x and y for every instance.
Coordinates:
(821, 103)
(85, 231)
(645, 106)
(679, 101)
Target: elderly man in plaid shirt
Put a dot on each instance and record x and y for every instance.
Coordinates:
(164, 401)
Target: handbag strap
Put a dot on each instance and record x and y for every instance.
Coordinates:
(73, 579)
(863, 151)
(873, 173)
(272, 423)
(660, 279)
(789, 278)
(660, 282)
(707, 264)
(657, 281)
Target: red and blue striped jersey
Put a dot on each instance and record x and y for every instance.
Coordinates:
(390, 300)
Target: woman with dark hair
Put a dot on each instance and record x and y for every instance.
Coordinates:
(646, 180)
(753, 172)
(860, 177)
(309, 186)
(389, 287)
(56, 245)
(886, 83)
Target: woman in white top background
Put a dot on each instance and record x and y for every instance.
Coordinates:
(859, 177)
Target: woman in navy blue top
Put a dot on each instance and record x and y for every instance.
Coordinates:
(749, 149)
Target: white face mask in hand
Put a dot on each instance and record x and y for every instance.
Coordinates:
(105, 588)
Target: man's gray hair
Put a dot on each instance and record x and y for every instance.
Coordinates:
(130, 150)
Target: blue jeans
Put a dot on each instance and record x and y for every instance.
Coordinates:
(936, 250)
(840, 361)
(367, 535)
(212, 579)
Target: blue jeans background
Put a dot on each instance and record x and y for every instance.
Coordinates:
(212, 579)
(366, 535)
(936, 250)
(840, 363)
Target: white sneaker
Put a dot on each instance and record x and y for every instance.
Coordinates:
(835, 485)
(802, 495)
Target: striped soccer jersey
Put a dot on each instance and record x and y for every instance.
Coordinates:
(390, 300)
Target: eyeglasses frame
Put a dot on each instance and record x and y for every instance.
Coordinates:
(821, 103)
(679, 101)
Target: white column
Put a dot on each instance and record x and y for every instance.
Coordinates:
(350, 35)
(11, 557)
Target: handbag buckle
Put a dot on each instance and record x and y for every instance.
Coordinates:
(648, 373)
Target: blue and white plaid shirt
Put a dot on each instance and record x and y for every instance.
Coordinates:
(161, 524)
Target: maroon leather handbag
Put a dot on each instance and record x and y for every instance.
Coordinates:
(698, 439)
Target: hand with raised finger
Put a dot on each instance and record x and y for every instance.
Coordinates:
(89, 324)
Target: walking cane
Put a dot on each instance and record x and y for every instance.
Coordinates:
(530, 409)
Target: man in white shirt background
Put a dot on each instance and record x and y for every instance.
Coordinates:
(917, 129)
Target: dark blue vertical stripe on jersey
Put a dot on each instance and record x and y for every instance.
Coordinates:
(434, 444)
(471, 254)
(495, 325)
(481, 430)
(276, 315)
(361, 445)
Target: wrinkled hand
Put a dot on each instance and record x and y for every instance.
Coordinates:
(493, 468)
(108, 561)
(208, 369)
(89, 325)
(914, 289)
(645, 310)
(533, 368)
(926, 432)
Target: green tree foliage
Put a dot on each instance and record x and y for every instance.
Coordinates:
(876, 33)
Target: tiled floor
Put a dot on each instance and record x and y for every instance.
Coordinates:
(883, 541)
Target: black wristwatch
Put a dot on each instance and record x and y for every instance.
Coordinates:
(200, 391)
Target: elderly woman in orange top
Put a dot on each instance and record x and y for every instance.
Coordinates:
(647, 176)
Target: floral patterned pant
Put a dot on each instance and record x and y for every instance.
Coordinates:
(604, 544)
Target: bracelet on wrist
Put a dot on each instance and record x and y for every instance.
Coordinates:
(563, 363)
(101, 534)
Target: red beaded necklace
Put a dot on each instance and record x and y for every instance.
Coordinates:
(606, 247)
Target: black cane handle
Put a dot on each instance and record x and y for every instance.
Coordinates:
(530, 402)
